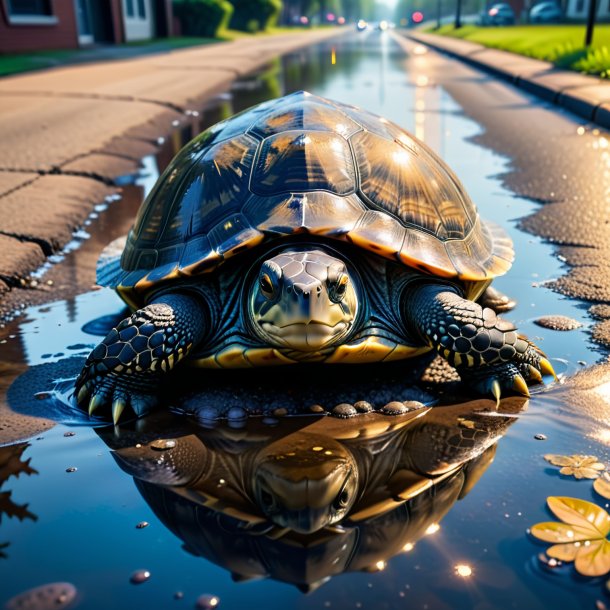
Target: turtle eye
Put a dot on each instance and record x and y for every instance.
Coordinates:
(266, 285)
(342, 499)
(339, 288)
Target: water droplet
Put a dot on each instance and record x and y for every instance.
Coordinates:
(142, 525)
(162, 444)
(139, 576)
(540, 437)
(548, 562)
(207, 602)
(71, 469)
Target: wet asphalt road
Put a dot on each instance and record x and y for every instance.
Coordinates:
(87, 508)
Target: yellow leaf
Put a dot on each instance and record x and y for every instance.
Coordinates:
(579, 466)
(593, 559)
(563, 552)
(602, 485)
(580, 513)
(567, 470)
(559, 460)
(553, 531)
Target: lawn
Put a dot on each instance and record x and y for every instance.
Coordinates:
(561, 44)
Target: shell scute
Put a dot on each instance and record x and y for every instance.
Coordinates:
(402, 181)
(304, 115)
(198, 255)
(471, 256)
(378, 232)
(280, 215)
(234, 234)
(425, 252)
(318, 212)
(224, 173)
(301, 161)
(188, 203)
(327, 214)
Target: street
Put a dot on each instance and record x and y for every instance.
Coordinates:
(540, 172)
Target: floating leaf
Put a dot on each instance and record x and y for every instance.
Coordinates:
(593, 559)
(558, 533)
(578, 466)
(581, 513)
(602, 485)
(558, 460)
(579, 537)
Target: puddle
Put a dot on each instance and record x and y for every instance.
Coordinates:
(424, 526)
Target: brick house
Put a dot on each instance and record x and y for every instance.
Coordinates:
(32, 25)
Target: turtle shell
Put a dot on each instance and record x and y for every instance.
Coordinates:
(305, 164)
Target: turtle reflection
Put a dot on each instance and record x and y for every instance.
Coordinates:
(314, 496)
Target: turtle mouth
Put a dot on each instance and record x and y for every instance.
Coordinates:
(306, 336)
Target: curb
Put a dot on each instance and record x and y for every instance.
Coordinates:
(585, 96)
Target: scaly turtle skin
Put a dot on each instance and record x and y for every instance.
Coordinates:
(304, 230)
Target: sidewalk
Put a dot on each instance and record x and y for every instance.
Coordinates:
(586, 96)
(67, 133)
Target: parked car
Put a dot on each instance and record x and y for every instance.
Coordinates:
(545, 12)
(498, 14)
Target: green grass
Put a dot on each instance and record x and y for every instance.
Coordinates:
(25, 62)
(562, 45)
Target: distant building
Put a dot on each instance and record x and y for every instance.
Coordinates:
(578, 9)
(33, 25)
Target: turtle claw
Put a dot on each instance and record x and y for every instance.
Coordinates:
(82, 394)
(95, 402)
(519, 385)
(534, 374)
(496, 390)
(547, 368)
(118, 406)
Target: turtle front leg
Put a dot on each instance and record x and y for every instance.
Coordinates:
(127, 367)
(486, 350)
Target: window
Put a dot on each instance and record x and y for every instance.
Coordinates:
(141, 9)
(580, 6)
(31, 12)
(129, 8)
(29, 7)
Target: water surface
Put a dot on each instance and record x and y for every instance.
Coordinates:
(80, 526)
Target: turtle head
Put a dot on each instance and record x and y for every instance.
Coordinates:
(304, 299)
(305, 482)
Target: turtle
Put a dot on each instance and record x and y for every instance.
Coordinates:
(299, 231)
(341, 495)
